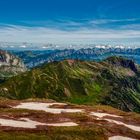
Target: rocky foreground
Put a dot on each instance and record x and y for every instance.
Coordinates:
(49, 120)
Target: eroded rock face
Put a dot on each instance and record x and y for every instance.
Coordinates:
(120, 61)
(10, 65)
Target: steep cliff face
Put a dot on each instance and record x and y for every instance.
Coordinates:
(10, 65)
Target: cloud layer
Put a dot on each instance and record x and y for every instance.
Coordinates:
(86, 31)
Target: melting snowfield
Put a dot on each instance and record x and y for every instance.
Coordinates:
(27, 123)
(120, 138)
(100, 115)
(46, 107)
(133, 127)
(61, 108)
(22, 123)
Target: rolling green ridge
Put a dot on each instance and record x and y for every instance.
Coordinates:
(114, 81)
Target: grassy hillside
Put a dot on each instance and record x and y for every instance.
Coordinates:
(115, 82)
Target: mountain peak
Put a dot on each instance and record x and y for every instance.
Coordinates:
(122, 61)
(81, 82)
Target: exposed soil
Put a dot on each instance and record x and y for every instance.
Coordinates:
(113, 121)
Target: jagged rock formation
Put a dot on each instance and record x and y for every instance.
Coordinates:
(35, 58)
(10, 65)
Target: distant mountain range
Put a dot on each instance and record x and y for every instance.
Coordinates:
(35, 57)
(114, 81)
(24, 46)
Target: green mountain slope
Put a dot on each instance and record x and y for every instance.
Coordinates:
(115, 82)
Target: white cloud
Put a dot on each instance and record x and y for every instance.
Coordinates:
(13, 33)
(131, 26)
(106, 21)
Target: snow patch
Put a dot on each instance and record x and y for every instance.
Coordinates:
(100, 115)
(46, 107)
(133, 127)
(120, 138)
(27, 123)
(22, 123)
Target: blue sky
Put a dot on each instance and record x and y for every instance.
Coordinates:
(70, 21)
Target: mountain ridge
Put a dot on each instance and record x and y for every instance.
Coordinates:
(80, 82)
(35, 58)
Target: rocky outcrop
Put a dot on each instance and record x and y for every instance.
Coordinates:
(120, 61)
(10, 65)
